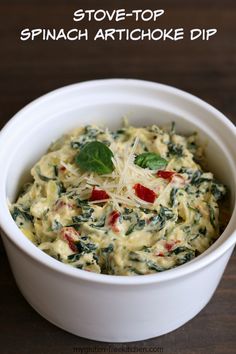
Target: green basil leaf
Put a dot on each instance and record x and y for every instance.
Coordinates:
(95, 157)
(150, 160)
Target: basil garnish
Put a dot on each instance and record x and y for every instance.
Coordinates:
(95, 157)
(150, 160)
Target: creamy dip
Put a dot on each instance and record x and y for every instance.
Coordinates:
(127, 202)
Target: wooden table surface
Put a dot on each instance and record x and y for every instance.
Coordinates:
(30, 69)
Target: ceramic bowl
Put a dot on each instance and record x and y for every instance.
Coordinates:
(106, 307)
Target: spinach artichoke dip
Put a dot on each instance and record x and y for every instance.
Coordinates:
(127, 202)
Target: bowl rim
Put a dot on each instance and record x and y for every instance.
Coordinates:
(14, 235)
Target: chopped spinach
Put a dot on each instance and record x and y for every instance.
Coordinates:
(85, 216)
(185, 170)
(218, 190)
(146, 211)
(186, 256)
(173, 195)
(90, 134)
(197, 217)
(85, 247)
(56, 225)
(86, 212)
(55, 168)
(95, 257)
(181, 249)
(108, 249)
(133, 256)
(212, 216)
(118, 134)
(74, 257)
(192, 146)
(128, 214)
(146, 249)
(75, 145)
(105, 259)
(155, 129)
(61, 188)
(130, 229)
(99, 224)
(153, 266)
(197, 214)
(173, 128)
(203, 230)
(42, 177)
(128, 211)
(187, 229)
(79, 266)
(84, 238)
(198, 178)
(138, 225)
(24, 189)
(127, 217)
(25, 214)
(175, 149)
(83, 203)
(159, 220)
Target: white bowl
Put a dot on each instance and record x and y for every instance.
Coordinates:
(105, 307)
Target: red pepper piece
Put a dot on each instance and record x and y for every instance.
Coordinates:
(169, 246)
(71, 243)
(67, 231)
(144, 193)
(165, 174)
(113, 217)
(98, 194)
(112, 220)
(160, 254)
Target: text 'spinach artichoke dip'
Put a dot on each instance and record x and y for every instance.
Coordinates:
(133, 201)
